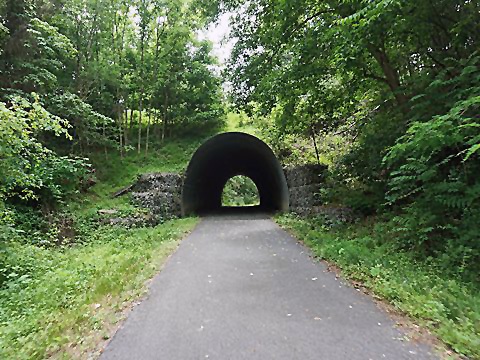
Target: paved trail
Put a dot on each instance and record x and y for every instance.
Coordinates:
(239, 287)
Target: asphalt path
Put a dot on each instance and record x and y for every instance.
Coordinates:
(240, 287)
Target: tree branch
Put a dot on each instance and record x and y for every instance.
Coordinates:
(295, 29)
(375, 77)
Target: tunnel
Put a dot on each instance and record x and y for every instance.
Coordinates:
(225, 156)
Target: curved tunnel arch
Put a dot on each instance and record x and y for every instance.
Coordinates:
(227, 155)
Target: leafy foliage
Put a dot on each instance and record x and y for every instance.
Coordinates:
(435, 165)
(384, 92)
(29, 169)
(81, 117)
(48, 296)
(78, 78)
(240, 191)
(396, 80)
(91, 62)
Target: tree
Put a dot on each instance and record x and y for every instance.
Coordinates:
(398, 78)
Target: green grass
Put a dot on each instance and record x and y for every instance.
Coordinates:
(115, 172)
(72, 296)
(62, 301)
(439, 297)
(240, 122)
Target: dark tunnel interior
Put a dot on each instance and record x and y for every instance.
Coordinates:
(227, 155)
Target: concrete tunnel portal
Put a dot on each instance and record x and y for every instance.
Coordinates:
(225, 156)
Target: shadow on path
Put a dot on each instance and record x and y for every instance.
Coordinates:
(238, 213)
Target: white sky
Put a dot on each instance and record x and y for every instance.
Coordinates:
(217, 34)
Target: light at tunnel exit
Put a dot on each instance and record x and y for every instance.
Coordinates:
(240, 191)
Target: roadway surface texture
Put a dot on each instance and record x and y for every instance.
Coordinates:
(239, 287)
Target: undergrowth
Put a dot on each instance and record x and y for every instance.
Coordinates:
(240, 191)
(444, 299)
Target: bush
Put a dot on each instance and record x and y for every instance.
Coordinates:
(30, 171)
(435, 166)
(240, 191)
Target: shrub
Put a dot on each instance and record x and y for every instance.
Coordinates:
(28, 169)
(435, 166)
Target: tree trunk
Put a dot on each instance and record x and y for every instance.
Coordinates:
(140, 124)
(142, 90)
(125, 126)
(165, 119)
(391, 75)
(131, 121)
(315, 144)
(148, 131)
(120, 130)
(155, 123)
(105, 139)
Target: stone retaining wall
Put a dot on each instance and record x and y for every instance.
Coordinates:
(159, 193)
(304, 183)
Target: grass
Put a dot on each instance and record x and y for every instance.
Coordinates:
(73, 295)
(115, 172)
(438, 297)
(63, 301)
(240, 122)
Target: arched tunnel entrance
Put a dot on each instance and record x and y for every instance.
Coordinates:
(227, 155)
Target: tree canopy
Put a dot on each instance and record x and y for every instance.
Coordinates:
(384, 94)
(104, 70)
(399, 80)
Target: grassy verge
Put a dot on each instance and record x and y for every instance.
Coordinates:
(63, 301)
(241, 123)
(74, 295)
(444, 300)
